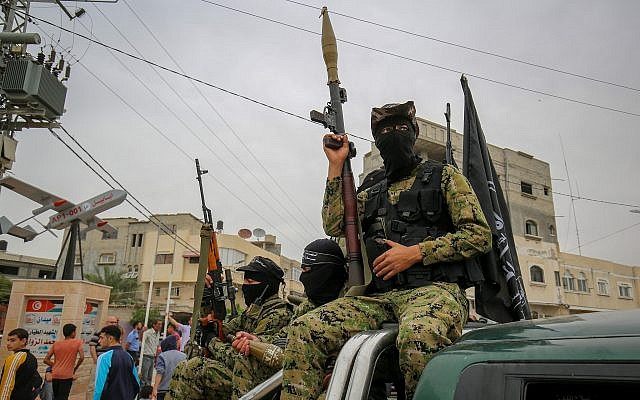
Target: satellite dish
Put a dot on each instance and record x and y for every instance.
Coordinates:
(244, 233)
(259, 233)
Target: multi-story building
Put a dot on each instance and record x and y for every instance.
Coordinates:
(25, 267)
(556, 283)
(156, 257)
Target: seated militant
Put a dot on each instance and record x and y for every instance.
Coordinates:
(210, 377)
(421, 223)
(323, 276)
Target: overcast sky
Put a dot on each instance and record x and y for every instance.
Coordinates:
(262, 161)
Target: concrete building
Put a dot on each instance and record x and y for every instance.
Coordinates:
(556, 283)
(144, 252)
(14, 266)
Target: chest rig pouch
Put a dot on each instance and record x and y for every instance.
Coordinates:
(420, 214)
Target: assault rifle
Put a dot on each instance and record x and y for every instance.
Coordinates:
(209, 307)
(333, 119)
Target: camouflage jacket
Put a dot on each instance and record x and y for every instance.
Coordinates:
(472, 235)
(264, 321)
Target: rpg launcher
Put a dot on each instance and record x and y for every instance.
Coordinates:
(209, 306)
(333, 119)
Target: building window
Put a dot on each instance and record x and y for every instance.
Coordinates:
(526, 188)
(231, 256)
(107, 258)
(44, 274)
(135, 268)
(107, 235)
(537, 274)
(136, 240)
(295, 274)
(531, 228)
(166, 227)
(9, 270)
(164, 258)
(546, 190)
(556, 274)
(582, 282)
(535, 315)
(194, 260)
(569, 282)
(603, 287)
(175, 292)
(624, 289)
(156, 291)
(78, 260)
(552, 230)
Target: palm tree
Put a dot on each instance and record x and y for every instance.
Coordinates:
(123, 290)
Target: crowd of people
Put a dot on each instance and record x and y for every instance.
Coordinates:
(118, 373)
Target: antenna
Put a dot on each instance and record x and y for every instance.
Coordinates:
(259, 233)
(573, 206)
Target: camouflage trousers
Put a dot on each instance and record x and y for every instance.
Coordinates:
(225, 375)
(430, 318)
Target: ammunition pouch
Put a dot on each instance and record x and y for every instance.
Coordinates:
(420, 214)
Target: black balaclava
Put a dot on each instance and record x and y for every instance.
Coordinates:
(396, 148)
(252, 292)
(327, 274)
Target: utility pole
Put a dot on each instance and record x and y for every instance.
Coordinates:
(32, 90)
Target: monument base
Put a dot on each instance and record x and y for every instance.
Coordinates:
(43, 307)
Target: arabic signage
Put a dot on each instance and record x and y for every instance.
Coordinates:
(42, 320)
(89, 323)
(87, 209)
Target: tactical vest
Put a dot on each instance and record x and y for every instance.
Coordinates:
(420, 214)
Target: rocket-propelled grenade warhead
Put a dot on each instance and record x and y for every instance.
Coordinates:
(329, 47)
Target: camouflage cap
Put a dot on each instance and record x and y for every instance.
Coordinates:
(406, 110)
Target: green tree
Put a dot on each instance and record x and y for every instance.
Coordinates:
(5, 289)
(123, 290)
(138, 315)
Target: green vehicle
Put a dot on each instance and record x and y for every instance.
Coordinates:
(592, 356)
(586, 356)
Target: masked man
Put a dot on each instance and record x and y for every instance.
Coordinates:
(421, 223)
(323, 276)
(210, 377)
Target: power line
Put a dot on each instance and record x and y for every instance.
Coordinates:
(316, 33)
(607, 236)
(489, 53)
(195, 135)
(181, 74)
(389, 53)
(215, 110)
(159, 131)
(163, 227)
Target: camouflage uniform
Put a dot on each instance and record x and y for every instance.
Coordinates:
(248, 372)
(430, 317)
(210, 378)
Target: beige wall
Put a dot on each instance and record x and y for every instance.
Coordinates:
(74, 295)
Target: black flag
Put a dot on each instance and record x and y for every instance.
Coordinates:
(501, 296)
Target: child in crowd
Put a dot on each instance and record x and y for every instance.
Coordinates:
(145, 392)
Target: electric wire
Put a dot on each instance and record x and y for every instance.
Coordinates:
(223, 142)
(164, 227)
(159, 131)
(485, 52)
(195, 135)
(389, 53)
(606, 236)
(238, 137)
